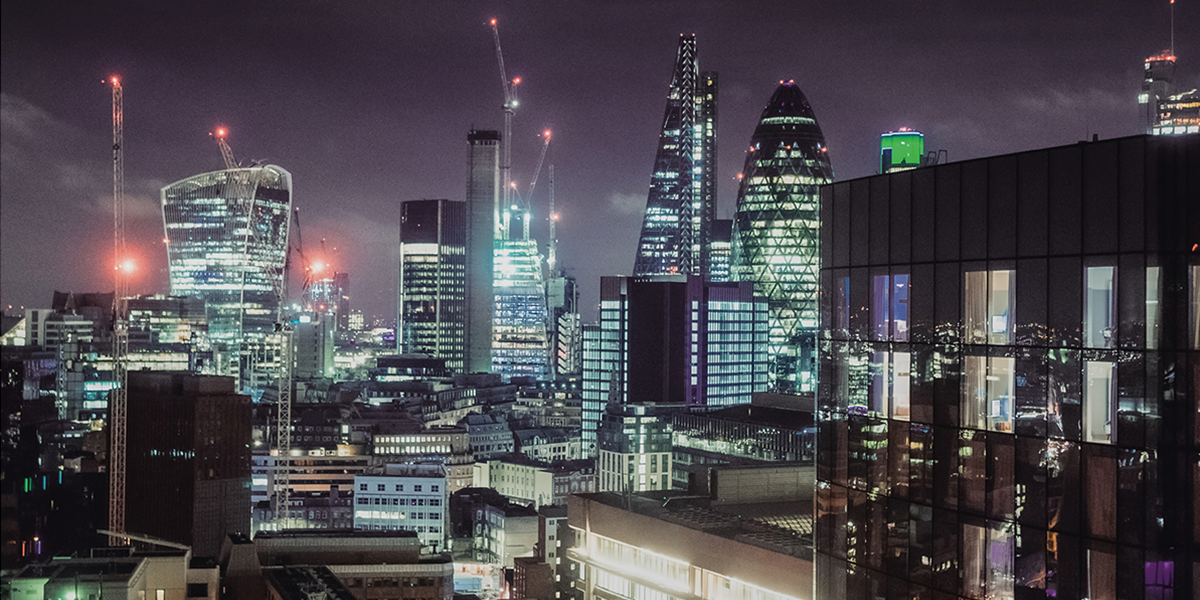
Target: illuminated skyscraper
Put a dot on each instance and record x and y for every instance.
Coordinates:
(483, 214)
(900, 150)
(520, 345)
(226, 236)
(433, 280)
(682, 199)
(776, 225)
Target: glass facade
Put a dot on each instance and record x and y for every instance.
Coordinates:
(433, 280)
(674, 340)
(901, 150)
(1009, 377)
(519, 345)
(226, 235)
(775, 229)
(682, 199)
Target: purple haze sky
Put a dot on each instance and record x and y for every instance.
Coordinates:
(368, 104)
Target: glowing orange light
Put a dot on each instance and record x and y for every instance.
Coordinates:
(741, 175)
(115, 81)
(166, 241)
(220, 132)
(318, 266)
(126, 266)
(546, 133)
(517, 81)
(493, 22)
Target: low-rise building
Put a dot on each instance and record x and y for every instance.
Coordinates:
(407, 497)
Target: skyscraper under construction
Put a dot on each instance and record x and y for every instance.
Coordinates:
(682, 199)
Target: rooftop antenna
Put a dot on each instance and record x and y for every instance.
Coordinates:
(1172, 27)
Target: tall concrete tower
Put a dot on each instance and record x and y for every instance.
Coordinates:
(483, 212)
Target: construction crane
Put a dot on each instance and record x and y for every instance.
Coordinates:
(240, 185)
(525, 202)
(510, 103)
(118, 399)
(552, 260)
(145, 539)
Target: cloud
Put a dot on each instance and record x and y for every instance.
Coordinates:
(627, 204)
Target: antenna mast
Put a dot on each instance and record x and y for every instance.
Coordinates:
(117, 403)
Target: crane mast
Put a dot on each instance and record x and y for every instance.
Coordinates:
(510, 103)
(551, 260)
(532, 184)
(118, 399)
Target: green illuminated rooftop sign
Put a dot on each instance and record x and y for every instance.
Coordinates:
(900, 150)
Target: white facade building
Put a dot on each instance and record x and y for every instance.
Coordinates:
(409, 497)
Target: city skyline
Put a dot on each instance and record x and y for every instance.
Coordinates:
(338, 107)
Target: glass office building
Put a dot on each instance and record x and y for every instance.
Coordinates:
(1010, 377)
(682, 200)
(775, 229)
(226, 235)
(433, 280)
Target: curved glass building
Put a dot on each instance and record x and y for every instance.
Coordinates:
(226, 234)
(776, 226)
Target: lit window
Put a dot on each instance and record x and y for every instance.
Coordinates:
(1099, 408)
(1100, 307)
(988, 392)
(989, 302)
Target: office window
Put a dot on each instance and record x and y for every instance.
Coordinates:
(1100, 307)
(987, 566)
(889, 308)
(988, 307)
(1099, 410)
(362, 487)
(381, 487)
(988, 393)
(417, 488)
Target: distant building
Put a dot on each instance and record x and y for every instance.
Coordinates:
(491, 528)
(168, 574)
(677, 341)
(720, 250)
(1008, 366)
(901, 150)
(520, 342)
(1178, 114)
(433, 280)
(547, 444)
(188, 459)
(490, 435)
(776, 227)
(313, 340)
(682, 200)
(483, 222)
(634, 448)
(565, 339)
(1158, 80)
(410, 497)
(226, 236)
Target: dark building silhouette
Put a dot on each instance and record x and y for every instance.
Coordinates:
(483, 218)
(1010, 375)
(188, 454)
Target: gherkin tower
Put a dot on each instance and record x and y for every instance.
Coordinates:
(776, 227)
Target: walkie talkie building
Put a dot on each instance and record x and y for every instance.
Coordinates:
(226, 234)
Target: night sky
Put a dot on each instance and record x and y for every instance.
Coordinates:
(368, 104)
